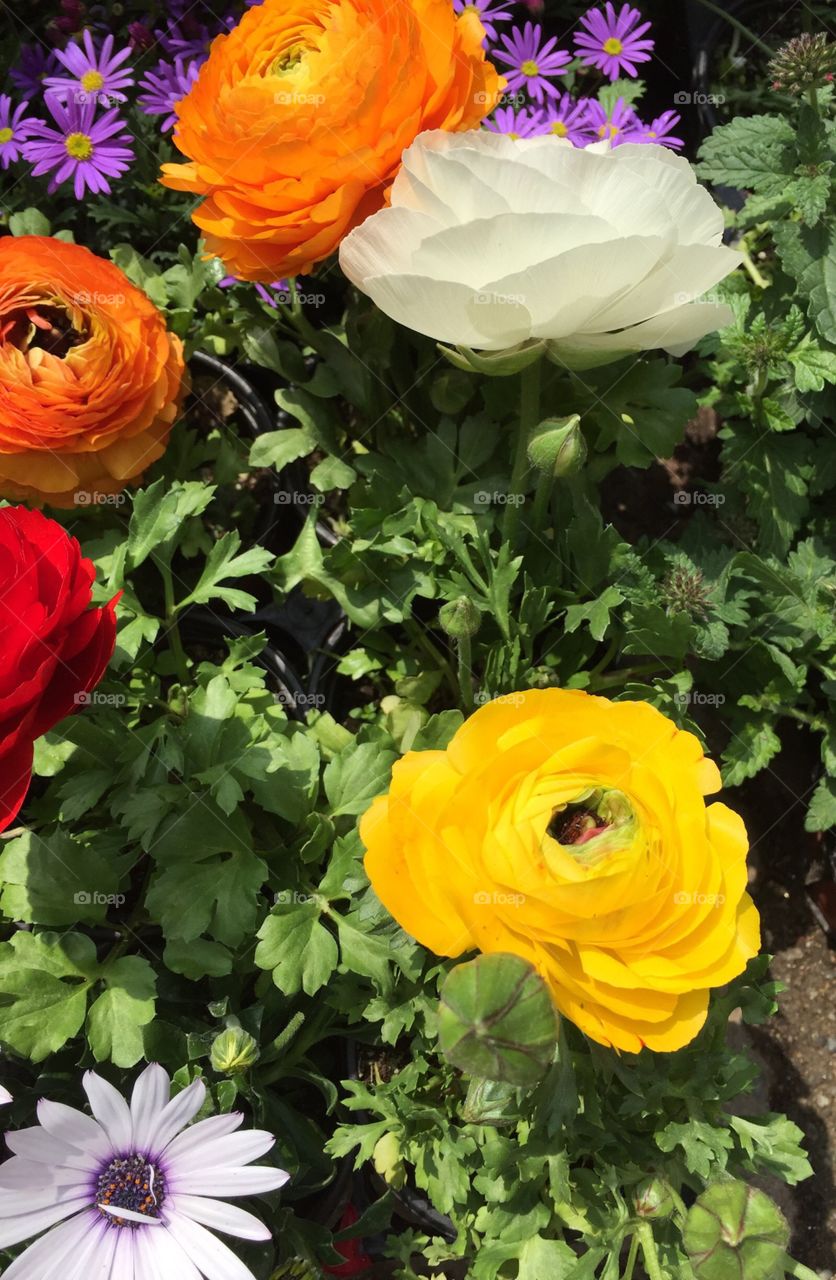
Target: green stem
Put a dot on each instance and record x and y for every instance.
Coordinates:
(464, 671)
(749, 263)
(798, 1269)
(610, 653)
(542, 499)
(621, 677)
(813, 99)
(631, 1258)
(737, 24)
(417, 633)
(652, 1266)
(180, 659)
(529, 413)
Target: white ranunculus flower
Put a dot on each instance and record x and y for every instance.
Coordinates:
(491, 242)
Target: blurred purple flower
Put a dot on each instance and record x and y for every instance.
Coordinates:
(14, 129)
(280, 287)
(524, 123)
(35, 63)
(164, 86)
(567, 118)
(611, 127)
(658, 131)
(88, 150)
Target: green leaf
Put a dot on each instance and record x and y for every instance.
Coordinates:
(44, 982)
(223, 563)
(813, 366)
(29, 222)
(216, 895)
(754, 152)
(752, 747)
(356, 776)
(596, 613)
(198, 958)
(774, 1145)
(297, 947)
(116, 1018)
(821, 815)
(332, 473)
(278, 448)
(53, 880)
(158, 516)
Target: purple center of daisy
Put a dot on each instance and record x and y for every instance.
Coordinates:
(131, 1183)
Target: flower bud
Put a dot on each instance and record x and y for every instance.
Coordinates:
(557, 446)
(495, 363)
(804, 63)
(497, 1020)
(233, 1051)
(735, 1232)
(653, 1198)
(460, 618)
(388, 1161)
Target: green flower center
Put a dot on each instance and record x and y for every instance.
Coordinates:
(529, 68)
(6, 135)
(613, 45)
(287, 61)
(79, 145)
(559, 128)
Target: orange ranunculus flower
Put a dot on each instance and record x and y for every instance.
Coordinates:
(90, 378)
(572, 831)
(296, 125)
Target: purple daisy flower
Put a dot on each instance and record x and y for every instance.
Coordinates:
(14, 129)
(568, 118)
(191, 39)
(488, 12)
(612, 41)
(614, 128)
(92, 73)
(525, 123)
(88, 150)
(531, 62)
(35, 64)
(657, 131)
(164, 87)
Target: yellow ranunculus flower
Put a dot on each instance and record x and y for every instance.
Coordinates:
(572, 831)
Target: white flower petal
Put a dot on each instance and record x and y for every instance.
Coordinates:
(220, 1217)
(151, 1093)
(5, 1096)
(74, 1128)
(555, 242)
(160, 1257)
(110, 1109)
(690, 271)
(53, 1253)
(33, 1179)
(566, 294)
(21, 1225)
(675, 331)
(198, 1137)
(35, 1144)
(232, 1149)
(251, 1180)
(209, 1254)
(123, 1266)
(174, 1116)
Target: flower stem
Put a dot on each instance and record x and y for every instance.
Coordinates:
(652, 1266)
(464, 671)
(542, 500)
(529, 412)
(631, 1258)
(749, 263)
(180, 659)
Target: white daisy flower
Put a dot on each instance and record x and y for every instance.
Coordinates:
(124, 1194)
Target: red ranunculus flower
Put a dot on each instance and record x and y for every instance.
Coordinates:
(53, 648)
